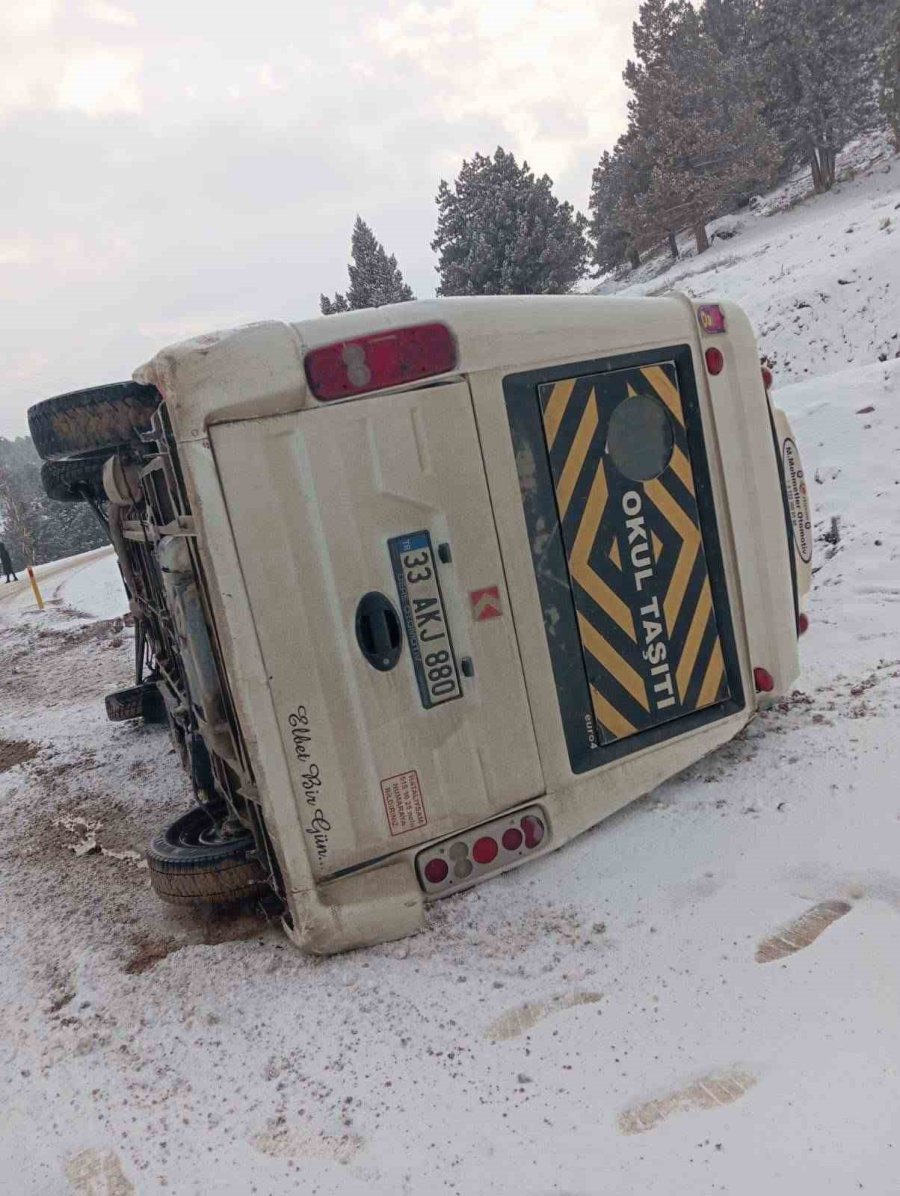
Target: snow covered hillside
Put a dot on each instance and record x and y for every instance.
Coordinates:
(700, 995)
(819, 280)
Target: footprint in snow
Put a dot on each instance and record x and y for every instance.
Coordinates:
(802, 931)
(282, 1141)
(709, 1092)
(97, 1173)
(524, 1017)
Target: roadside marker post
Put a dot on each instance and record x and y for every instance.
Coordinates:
(35, 587)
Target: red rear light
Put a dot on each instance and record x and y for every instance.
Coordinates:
(512, 839)
(767, 377)
(803, 623)
(436, 871)
(715, 362)
(763, 680)
(533, 829)
(391, 358)
(485, 850)
(472, 855)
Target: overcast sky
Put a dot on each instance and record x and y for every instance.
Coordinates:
(174, 166)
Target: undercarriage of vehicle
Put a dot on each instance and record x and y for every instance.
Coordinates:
(112, 447)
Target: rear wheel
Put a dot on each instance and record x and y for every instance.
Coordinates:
(74, 481)
(195, 861)
(101, 419)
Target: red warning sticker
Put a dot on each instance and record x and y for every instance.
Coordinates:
(403, 803)
(486, 603)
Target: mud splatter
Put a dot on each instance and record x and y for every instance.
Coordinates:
(15, 751)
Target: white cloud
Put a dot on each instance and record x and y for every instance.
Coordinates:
(268, 79)
(101, 81)
(110, 14)
(24, 17)
(14, 253)
(532, 66)
(170, 166)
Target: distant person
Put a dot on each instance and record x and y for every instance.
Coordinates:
(6, 564)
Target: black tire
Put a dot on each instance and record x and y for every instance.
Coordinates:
(74, 481)
(153, 706)
(191, 865)
(101, 419)
(125, 704)
(139, 701)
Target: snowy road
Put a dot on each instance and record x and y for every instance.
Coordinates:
(698, 996)
(56, 578)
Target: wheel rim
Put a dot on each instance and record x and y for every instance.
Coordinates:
(217, 836)
(202, 831)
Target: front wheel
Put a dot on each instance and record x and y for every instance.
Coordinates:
(196, 861)
(99, 420)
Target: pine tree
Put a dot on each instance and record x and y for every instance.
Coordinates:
(889, 72)
(375, 278)
(654, 32)
(814, 59)
(728, 23)
(617, 219)
(501, 231)
(698, 124)
(34, 527)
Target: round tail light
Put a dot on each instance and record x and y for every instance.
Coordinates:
(715, 361)
(533, 829)
(484, 850)
(512, 839)
(763, 680)
(436, 871)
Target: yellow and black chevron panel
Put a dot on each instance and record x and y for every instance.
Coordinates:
(627, 506)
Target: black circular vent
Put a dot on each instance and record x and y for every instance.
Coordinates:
(641, 439)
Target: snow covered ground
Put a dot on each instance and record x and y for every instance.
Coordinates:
(96, 591)
(87, 585)
(618, 1018)
(819, 280)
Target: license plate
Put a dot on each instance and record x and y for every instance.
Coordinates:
(422, 606)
